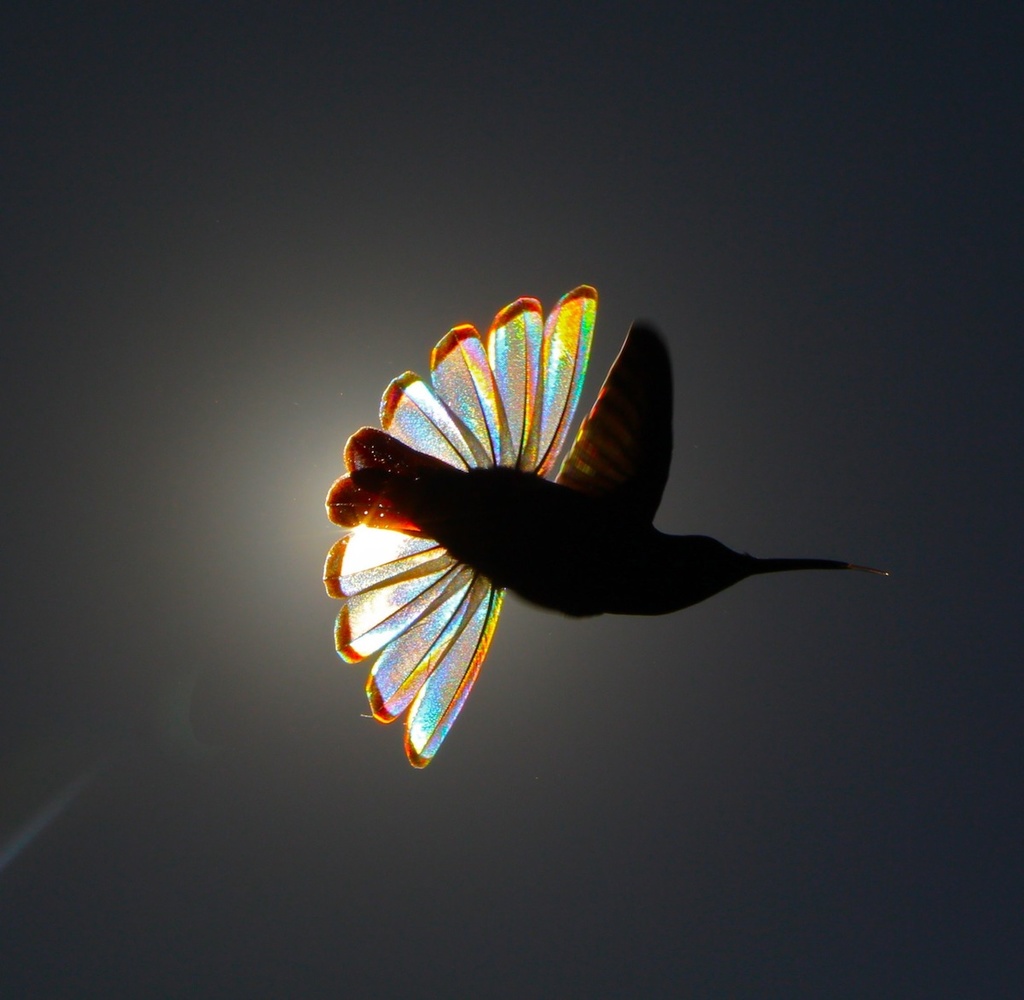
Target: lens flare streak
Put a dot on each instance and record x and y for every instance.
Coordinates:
(45, 817)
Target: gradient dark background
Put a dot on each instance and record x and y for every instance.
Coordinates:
(227, 227)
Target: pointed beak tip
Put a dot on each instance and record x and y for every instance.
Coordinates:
(868, 569)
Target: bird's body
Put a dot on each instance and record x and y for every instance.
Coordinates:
(561, 549)
(454, 506)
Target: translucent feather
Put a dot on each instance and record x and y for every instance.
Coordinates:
(465, 383)
(411, 412)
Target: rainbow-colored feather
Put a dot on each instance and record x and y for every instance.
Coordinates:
(506, 399)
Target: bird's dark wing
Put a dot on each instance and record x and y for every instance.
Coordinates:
(624, 446)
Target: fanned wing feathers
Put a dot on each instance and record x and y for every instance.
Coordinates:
(402, 667)
(624, 446)
(390, 580)
(433, 617)
(539, 369)
(507, 399)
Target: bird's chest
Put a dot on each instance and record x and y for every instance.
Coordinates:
(528, 534)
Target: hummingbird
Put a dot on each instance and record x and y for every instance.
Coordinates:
(452, 503)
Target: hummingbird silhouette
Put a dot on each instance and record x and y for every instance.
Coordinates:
(451, 504)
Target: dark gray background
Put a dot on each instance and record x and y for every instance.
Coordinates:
(227, 227)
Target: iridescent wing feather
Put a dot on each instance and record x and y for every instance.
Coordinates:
(505, 400)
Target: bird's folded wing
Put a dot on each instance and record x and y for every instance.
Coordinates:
(624, 447)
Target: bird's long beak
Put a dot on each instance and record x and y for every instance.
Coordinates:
(785, 565)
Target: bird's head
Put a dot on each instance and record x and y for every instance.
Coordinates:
(699, 567)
